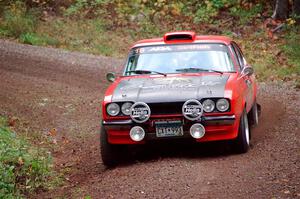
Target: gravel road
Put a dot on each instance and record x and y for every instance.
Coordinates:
(50, 88)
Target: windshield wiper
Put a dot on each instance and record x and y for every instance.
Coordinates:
(198, 69)
(145, 72)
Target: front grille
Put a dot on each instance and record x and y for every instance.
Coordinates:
(166, 108)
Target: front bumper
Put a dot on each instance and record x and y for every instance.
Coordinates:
(216, 127)
(206, 120)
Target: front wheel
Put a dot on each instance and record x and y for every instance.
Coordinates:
(242, 142)
(253, 114)
(110, 153)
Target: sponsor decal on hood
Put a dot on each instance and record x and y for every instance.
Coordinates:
(170, 89)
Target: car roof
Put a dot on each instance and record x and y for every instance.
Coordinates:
(196, 39)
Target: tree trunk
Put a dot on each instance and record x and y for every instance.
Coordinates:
(296, 10)
(281, 10)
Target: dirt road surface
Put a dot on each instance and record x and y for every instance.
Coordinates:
(51, 88)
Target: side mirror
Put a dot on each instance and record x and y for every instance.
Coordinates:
(247, 71)
(111, 77)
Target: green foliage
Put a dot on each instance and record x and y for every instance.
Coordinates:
(35, 39)
(3, 32)
(104, 49)
(292, 47)
(278, 60)
(23, 168)
(4, 4)
(85, 7)
(17, 20)
(245, 15)
(20, 23)
(149, 29)
(205, 13)
(76, 7)
(33, 4)
(207, 10)
(292, 50)
(155, 11)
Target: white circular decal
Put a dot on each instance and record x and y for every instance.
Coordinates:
(140, 112)
(192, 109)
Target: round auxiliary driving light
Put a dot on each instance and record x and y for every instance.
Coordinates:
(140, 112)
(192, 109)
(137, 133)
(208, 105)
(197, 130)
(222, 105)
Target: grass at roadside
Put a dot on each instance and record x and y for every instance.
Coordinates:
(24, 168)
(274, 60)
(292, 49)
(87, 36)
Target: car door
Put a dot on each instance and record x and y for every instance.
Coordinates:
(248, 81)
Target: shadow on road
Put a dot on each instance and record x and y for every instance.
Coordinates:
(175, 149)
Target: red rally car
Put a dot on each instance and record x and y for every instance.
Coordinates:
(180, 86)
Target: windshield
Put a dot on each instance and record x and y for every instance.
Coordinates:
(180, 59)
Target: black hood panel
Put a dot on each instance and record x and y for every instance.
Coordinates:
(170, 89)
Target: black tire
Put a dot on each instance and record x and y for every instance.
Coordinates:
(253, 115)
(242, 142)
(110, 153)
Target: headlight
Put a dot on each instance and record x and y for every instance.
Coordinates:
(113, 109)
(126, 108)
(222, 105)
(208, 105)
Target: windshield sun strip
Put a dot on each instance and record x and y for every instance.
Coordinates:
(195, 43)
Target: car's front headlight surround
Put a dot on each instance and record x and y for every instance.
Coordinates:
(113, 109)
(126, 108)
(222, 105)
(208, 105)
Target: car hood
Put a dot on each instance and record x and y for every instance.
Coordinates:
(169, 89)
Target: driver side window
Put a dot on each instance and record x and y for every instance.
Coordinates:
(240, 57)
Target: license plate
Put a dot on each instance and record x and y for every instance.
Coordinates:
(169, 128)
